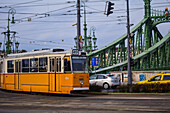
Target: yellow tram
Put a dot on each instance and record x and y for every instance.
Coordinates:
(46, 71)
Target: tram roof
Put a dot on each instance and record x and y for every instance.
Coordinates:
(39, 52)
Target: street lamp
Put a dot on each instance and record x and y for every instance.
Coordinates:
(17, 45)
(75, 39)
(89, 44)
(94, 38)
(8, 43)
(94, 41)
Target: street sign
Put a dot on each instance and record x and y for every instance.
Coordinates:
(95, 61)
(142, 77)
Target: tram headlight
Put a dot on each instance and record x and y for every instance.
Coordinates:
(81, 83)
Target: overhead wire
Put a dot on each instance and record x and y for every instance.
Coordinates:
(10, 6)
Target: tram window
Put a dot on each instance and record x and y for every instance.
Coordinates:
(10, 66)
(17, 66)
(52, 65)
(58, 66)
(55, 64)
(34, 65)
(43, 64)
(25, 65)
(67, 64)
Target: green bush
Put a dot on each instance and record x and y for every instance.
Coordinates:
(149, 88)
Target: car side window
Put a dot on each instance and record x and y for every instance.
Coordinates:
(104, 77)
(157, 78)
(166, 77)
(100, 77)
(93, 77)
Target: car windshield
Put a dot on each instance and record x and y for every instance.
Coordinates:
(79, 63)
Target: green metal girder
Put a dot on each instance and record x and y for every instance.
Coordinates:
(142, 56)
(150, 50)
(119, 39)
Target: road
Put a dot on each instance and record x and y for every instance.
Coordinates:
(91, 103)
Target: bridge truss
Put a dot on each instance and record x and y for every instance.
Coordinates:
(149, 49)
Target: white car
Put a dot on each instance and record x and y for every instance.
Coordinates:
(105, 80)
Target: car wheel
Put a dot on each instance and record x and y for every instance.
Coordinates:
(106, 86)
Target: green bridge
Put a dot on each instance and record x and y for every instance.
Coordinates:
(149, 49)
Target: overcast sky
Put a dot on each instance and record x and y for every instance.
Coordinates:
(51, 21)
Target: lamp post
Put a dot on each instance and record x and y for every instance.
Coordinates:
(75, 39)
(94, 39)
(17, 45)
(8, 43)
(89, 44)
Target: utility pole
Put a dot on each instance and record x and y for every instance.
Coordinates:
(128, 44)
(85, 28)
(78, 25)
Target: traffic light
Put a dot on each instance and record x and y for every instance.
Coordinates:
(131, 61)
(109, 9)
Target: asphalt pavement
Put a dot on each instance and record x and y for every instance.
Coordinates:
(91, 103)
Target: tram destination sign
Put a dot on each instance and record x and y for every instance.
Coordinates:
(75, 52)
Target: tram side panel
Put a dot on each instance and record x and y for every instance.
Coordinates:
(1, 80)
(9, 81)
(34, 82)
(45, 83)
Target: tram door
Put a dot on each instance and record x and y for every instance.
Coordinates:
(16, 75)
(55, 69)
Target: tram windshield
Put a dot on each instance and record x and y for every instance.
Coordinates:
(79, 63)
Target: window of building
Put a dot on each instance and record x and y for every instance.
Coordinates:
(25, 65)
(10, 66)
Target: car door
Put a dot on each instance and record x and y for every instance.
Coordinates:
(166, 79)
(92, 80)
(99, 80)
